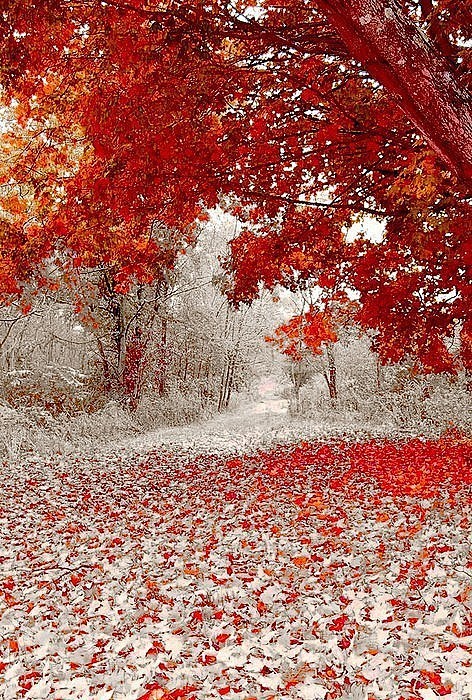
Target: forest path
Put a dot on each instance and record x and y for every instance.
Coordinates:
(261, 421)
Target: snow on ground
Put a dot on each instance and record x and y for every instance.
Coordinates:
(328, 570)
(251, 425)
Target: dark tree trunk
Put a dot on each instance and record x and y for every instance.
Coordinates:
(229, 382)
(468, 380)
(224, 382)
(330, 375)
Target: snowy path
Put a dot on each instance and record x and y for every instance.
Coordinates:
(258, 424)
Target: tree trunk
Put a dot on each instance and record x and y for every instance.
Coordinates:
(468, 380)
(295, 376)
(223, 385)
(401, 57)
(229, 383)
(331, 375)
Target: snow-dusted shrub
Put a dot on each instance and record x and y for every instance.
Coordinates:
(449, 408)
(52, 388)
(33, 430)
(176, 407)
(21, 434)
(109, 423)
(14, 432)
(429, 405)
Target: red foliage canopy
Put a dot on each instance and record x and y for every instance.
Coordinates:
(305, 332)
(304, 117)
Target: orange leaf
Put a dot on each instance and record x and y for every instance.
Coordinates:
(301, 562)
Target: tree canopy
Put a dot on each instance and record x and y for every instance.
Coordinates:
(307, 120)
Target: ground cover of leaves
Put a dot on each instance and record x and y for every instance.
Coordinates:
(315, 570)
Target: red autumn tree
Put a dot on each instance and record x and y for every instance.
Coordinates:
(305, 117)
(305, 335)
(304, 332)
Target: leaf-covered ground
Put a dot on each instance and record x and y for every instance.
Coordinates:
(316, 570)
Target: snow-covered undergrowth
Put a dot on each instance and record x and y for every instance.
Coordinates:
(323, 570)
(34, 431)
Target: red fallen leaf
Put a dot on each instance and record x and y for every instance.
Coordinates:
(338, 623)
(464, 595)
(225, 690)
(382, 518)
(9, 599)
(94, 660)
(344, 643)
(25, 680)
(417, 583)
(261, 607)
(13, 645)
(329, 672)
(9, 583)
(431, 676)
(336, 530)
(197, 615)
(208, 659)
(362, 679)
(2, 666)
(182, 692)
(221, 638)
(316, 558)
(154, 692)
(234, 464)
(75, 579)
(231, 495)
(301, 562)
(86, 496)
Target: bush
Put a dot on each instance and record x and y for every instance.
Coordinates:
(54, 389)
(430, 405)
(21, 433)
(179, 405)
